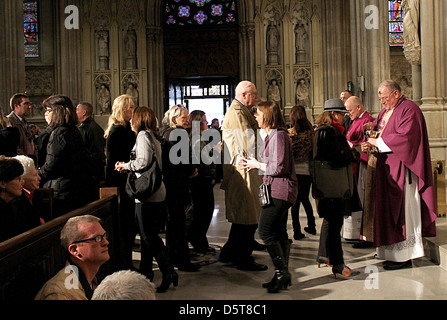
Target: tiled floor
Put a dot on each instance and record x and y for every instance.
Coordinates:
(219, 281)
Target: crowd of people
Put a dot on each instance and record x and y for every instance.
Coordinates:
(391, 207)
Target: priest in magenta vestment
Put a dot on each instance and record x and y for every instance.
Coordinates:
(404, 207)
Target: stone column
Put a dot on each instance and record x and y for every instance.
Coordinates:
(432, 74)
(370, 49)
(155, 67)
(427, 53)
(68, 75)
(336, 46)
(12, 51)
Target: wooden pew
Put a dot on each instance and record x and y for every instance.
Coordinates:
(28, 260)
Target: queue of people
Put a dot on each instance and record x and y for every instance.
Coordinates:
(386, 155)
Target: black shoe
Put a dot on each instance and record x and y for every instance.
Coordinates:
(224, 257)
(362, 245)
(298, 235)
(283, 279)
(270, 284)
(205, 250)
(310, 230)
(391, 265)
(253, 266)
(189, 267)
(168, 279)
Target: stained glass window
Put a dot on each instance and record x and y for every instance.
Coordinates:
(396, 28)
(199, 12)
(31, 28)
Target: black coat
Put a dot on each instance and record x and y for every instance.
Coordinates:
(119, 144)
(68, 170)
(7, 228)
(176, 176)
(26, 216)
(9, 141)
(93, 136)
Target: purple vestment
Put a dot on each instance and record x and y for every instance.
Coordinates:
(406, 135)
(355, 133)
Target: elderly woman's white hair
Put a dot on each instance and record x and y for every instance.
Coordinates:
(173, 112)
(125, 285)
(26, 162)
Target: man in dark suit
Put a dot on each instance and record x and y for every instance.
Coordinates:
(21, 109)
(93, 136)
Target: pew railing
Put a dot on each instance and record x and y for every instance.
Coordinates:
(28, 260)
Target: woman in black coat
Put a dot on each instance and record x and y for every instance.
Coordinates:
(331, 146)
(67, 169)
(120, 140)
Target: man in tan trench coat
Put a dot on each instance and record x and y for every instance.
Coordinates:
(239, 133)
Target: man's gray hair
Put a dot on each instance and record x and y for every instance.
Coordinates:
(244, 87)
(70, 232)
(125, 285)
(391, 85)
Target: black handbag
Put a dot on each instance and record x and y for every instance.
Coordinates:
(330, 182)
(147, 183)
(264, 195)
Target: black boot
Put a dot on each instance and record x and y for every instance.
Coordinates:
(282, 275)
(168, 273)
(285, 246)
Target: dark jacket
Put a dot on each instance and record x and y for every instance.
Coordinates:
(332, 146)
(9, 141)
(93, 136)
(42, 143)
(68, 170)
(119, 144)
(7, 229)
(26, 144)
(175, 176)
(26, 216)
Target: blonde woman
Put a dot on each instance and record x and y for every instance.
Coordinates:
(120, 140)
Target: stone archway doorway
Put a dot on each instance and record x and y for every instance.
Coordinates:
(201, 58)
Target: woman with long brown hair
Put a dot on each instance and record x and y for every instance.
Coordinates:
(149, 211)
(278, 168)
(302, 135)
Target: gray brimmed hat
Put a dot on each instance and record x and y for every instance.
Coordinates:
(335, 105)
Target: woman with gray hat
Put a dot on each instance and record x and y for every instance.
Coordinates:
(331, 146)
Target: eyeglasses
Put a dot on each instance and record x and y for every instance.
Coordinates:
(387, 97)
(97, 239)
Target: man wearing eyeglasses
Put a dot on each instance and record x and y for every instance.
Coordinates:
(404, 203)
(87, 249)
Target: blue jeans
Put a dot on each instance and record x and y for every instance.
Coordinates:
(273, 222)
